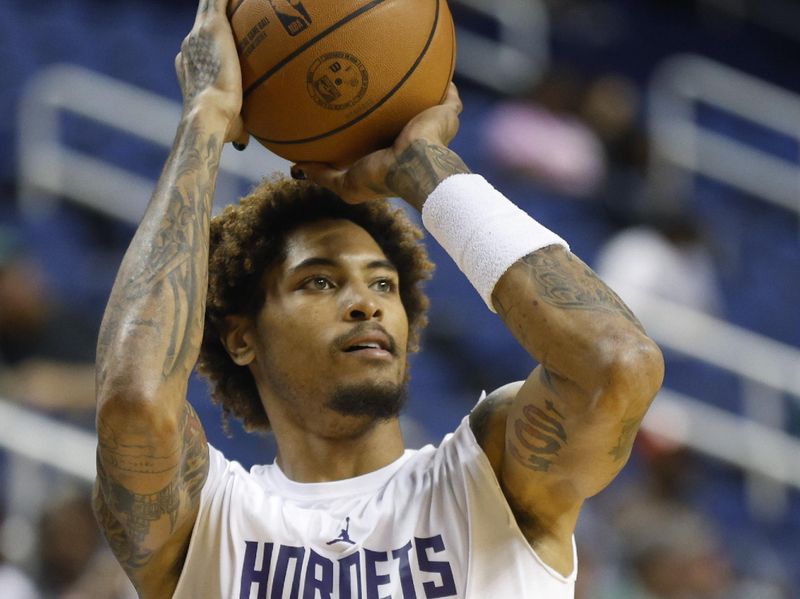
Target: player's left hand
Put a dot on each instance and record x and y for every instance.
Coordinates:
(208, 69)
(379, 174)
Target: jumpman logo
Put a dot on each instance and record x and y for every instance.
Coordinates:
(344, 536)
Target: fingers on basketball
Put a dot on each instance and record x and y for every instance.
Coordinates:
(179, 68)
(209, 7)
(362, 182)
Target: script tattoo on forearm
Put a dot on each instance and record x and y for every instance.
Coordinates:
(538, 436)
(420, 168)
(127, 516)
(564, 281)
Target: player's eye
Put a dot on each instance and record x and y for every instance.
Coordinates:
(319, 283)
(384, 285)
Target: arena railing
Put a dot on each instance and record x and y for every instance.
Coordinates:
(512, 61)
(49, 169)
(769, 372)
(780, 16)
(683, 148)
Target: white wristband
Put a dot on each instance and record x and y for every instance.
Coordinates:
(482, 230)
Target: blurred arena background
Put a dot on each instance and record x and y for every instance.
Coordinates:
(660, 137)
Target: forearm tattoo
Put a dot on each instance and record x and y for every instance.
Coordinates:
(420, 168)
(201, 62)
(127, 516)
(159, 294)
(564, 281)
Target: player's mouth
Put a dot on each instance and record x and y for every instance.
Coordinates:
(371, 343)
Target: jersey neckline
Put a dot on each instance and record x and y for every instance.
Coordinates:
(365, 483)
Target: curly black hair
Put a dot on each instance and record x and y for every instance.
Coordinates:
(248, 238)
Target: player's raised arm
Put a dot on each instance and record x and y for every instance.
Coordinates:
(567, 431)
(152, 452)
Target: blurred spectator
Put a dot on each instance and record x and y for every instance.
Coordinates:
(542, 137)
(666, 258)
(582, 140)
(674, 552)
(611, 107)
(46, 350)
(672, 470)
(74, 561)
(599, 549)
(14, 583)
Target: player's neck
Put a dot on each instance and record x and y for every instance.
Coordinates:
(305, 456)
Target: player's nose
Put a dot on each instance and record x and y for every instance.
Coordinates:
(362, 305)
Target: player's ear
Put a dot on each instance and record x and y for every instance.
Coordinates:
(238, 338)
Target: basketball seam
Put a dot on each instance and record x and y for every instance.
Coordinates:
(452, 63)
(287, 59)
(235, 8)
(375, 106)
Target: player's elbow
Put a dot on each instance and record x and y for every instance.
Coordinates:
(135, 407)
(141, 413)
(634, 372)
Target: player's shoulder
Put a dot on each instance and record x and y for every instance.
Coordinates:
(493, 407)
(488, 421)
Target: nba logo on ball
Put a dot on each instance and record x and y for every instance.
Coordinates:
(292, 15)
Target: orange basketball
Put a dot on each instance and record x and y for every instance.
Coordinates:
(332, 80)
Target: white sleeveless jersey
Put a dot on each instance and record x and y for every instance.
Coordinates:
(434, 523)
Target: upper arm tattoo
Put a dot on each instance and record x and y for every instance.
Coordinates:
(537, 436)
(564, 281)
(126, 516)
(630, 427)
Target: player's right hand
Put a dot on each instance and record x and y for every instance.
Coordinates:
(208, 69)
(411, 168)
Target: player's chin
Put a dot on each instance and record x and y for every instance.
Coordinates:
(373, 398)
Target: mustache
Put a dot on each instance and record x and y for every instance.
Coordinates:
(360, 330)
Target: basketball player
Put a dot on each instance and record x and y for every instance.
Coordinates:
(303, 322)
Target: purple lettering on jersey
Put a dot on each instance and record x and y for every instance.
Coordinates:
(406, 579)
(442, 568)
(286, 554)
(251, 575)
(375, 580)
(345, 565)
(319, 577)
(434, 576)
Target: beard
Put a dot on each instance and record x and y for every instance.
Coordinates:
(378, 401)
